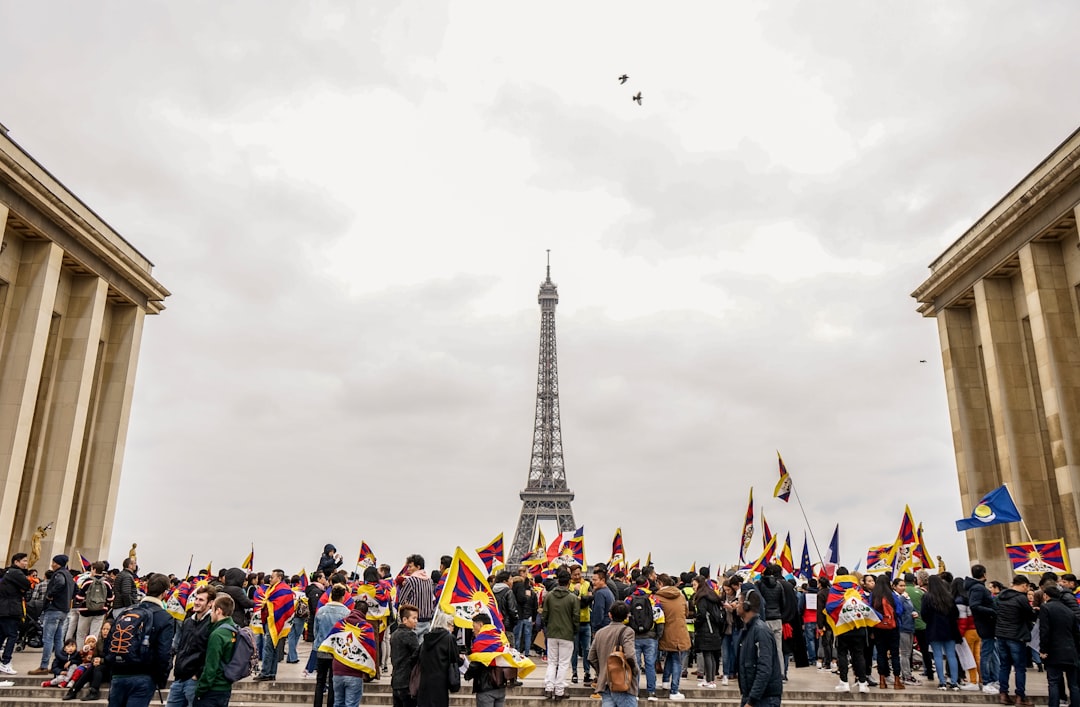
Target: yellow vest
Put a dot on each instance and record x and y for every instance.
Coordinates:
(582, 590)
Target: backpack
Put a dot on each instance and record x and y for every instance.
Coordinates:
(129, 641)
(303, 611)
(243, 660)
(888, 614)
(502, 675)
(716, 616)
(97, 594)
(641, 614)
(620, 672)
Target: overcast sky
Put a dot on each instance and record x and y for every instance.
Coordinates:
(351, 204)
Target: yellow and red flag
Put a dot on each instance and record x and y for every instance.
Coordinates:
(492, 554)
(249, 561)
(787, 563)
(1039, 556)
(618, 552)
(747, 528)
(467, 593)
(783, 486)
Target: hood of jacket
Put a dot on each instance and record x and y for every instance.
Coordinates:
(357, 617)
(559, 591)
(669, 592)
(421, 574)
(235, 577)
(500, 587)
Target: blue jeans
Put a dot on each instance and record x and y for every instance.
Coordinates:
(646, 650)
(988, 662)
(673, 662)
(773, 701)
(1012, 654)
(1056, 677)
(269, 658)
(618, 699)
(523, 636)
(944, 650)
(810, 634)
(214, 699)
(581, 647)
(131, 691)
(348, 689)
(295, 634)
(52, 636)
(182, 693)
(730, 650)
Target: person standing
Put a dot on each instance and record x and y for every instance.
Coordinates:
(761, 679)
(133, 683)
(1012, 633)
(404, 650)
(487, 691)
(415, 587)
(1058, 637)
(58, 595)
(905, 624)
(887, 634)
(675, 638)
(562, 615)
(93, 597)
(191, 648)
(643, 612)
(14, 589)
(916, 590)
(527, 606)
(348, 681)
(437, 657)
(984, 613)
(941, 615)
(325, 620)
(213, 690)
(615, 634)
(273, 650)
(709, 624)
(126, 591)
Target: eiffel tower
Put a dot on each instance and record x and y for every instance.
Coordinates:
(546, 496)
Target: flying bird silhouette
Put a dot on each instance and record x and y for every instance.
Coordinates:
(623, 79)
(637, 98)
(922, 360)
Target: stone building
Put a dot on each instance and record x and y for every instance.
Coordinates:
(1006, 296)
(73, 298)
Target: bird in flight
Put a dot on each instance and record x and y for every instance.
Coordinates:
(922, 360)
(637, 98)
(623, 79)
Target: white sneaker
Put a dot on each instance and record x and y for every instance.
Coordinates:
(843, 687)
(969, 687)
(6, 668)
(991, 688)
(652, 697)
(724, 681)
(863, 687)
(818, 664)
(665, 685)
(702, 683)
(7, 683)
(709, 685)
(677, 696)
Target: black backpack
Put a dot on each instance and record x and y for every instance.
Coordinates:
(129, 641)
(641, 614)
(716, 616)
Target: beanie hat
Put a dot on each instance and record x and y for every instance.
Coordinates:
(61, 560)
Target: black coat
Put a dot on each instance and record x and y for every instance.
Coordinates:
(772, 596)
(234, 587)
(983, 610)
(1015, 616)
(125, 593)
(404, 647)
(708, 628)
(438, 653)
(760, 674)
(941, 627)
(191, 647)
(60, 590)
(13, 590)
(1058, 633)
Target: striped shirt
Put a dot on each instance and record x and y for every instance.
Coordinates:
(419, 592)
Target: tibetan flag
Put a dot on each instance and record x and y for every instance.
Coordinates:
(1039, 556)
(349, 601)
(467, 593)
(618, 552)
(787, 564)
(572, 551)
(635, 565)
(907, 541)
(536, 555)
(352, 645)
(490, 647)
(302, 585)
(259, 596)
(84, 562)
(492, 554)
(648, 559)
(845, 607)
(806, 568)
(758, 565)
(437, 589)
(995, 507)
(879, 558)
(747, 528)
(366, 558)
(766, 536)
(208, 571)
(249, 561)
(177, 600)
(280, 603)
(783, 486)
(921, 553)
(693, 567)
(377, 595)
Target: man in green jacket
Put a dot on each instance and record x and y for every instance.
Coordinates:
(562, 611)
(213, 689)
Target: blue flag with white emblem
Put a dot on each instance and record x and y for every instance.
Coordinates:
(995, 507)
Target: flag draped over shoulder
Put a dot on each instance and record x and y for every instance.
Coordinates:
(490, 647)
(806, 568)
(787, 564)
(258, 597)
(492, 554)
(467, 593)
(618, 552)
(176, 602)
(845, 607)
(1039, 556)
(354, 646)
(995, 507)
(349, 601)
(783, 486)
(747, 528)
(378, 602)
(366, 558)
(280, 605)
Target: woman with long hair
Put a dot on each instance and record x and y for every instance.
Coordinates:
(887, 634)
(709, 623)
(942, 631)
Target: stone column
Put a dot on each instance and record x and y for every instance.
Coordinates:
(1057, 353)
(28, 316)
(973, 441)
(106, 448)
(1012, 406)
(58, 471)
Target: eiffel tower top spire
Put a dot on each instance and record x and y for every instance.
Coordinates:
(546, 495)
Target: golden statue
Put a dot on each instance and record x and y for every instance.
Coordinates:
(131, 554)
(35, 543)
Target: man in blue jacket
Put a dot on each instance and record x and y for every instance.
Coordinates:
(761, 679)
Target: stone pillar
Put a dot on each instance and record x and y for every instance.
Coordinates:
(1018, 440)
(1057, 354)
(106, 447)
(973, 441)
(28, 316)
(58, 470)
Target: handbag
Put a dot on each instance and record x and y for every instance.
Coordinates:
(414, 680)
(454, 676)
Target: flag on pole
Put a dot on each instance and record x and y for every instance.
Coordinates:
(783, 486)
(352, 645)
(303, 585)
(766, 536)
(366, 557)
(636, 564)
(787, 564)
(921, 553)
(878, 558)
(834, 547)
(249, 561)
(995, 507)
(191, 559)
(1039, 556)
(572, 551)
(84, 562)
(758, 565)
(907, 541)
(693, 567)
(208, 571)
(618, 552)
(467, 593)
(648, 559)
(492, 554)
(747, 528)
(806, 568)
(845, 608)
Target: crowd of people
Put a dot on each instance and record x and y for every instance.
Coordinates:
(616, 633)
